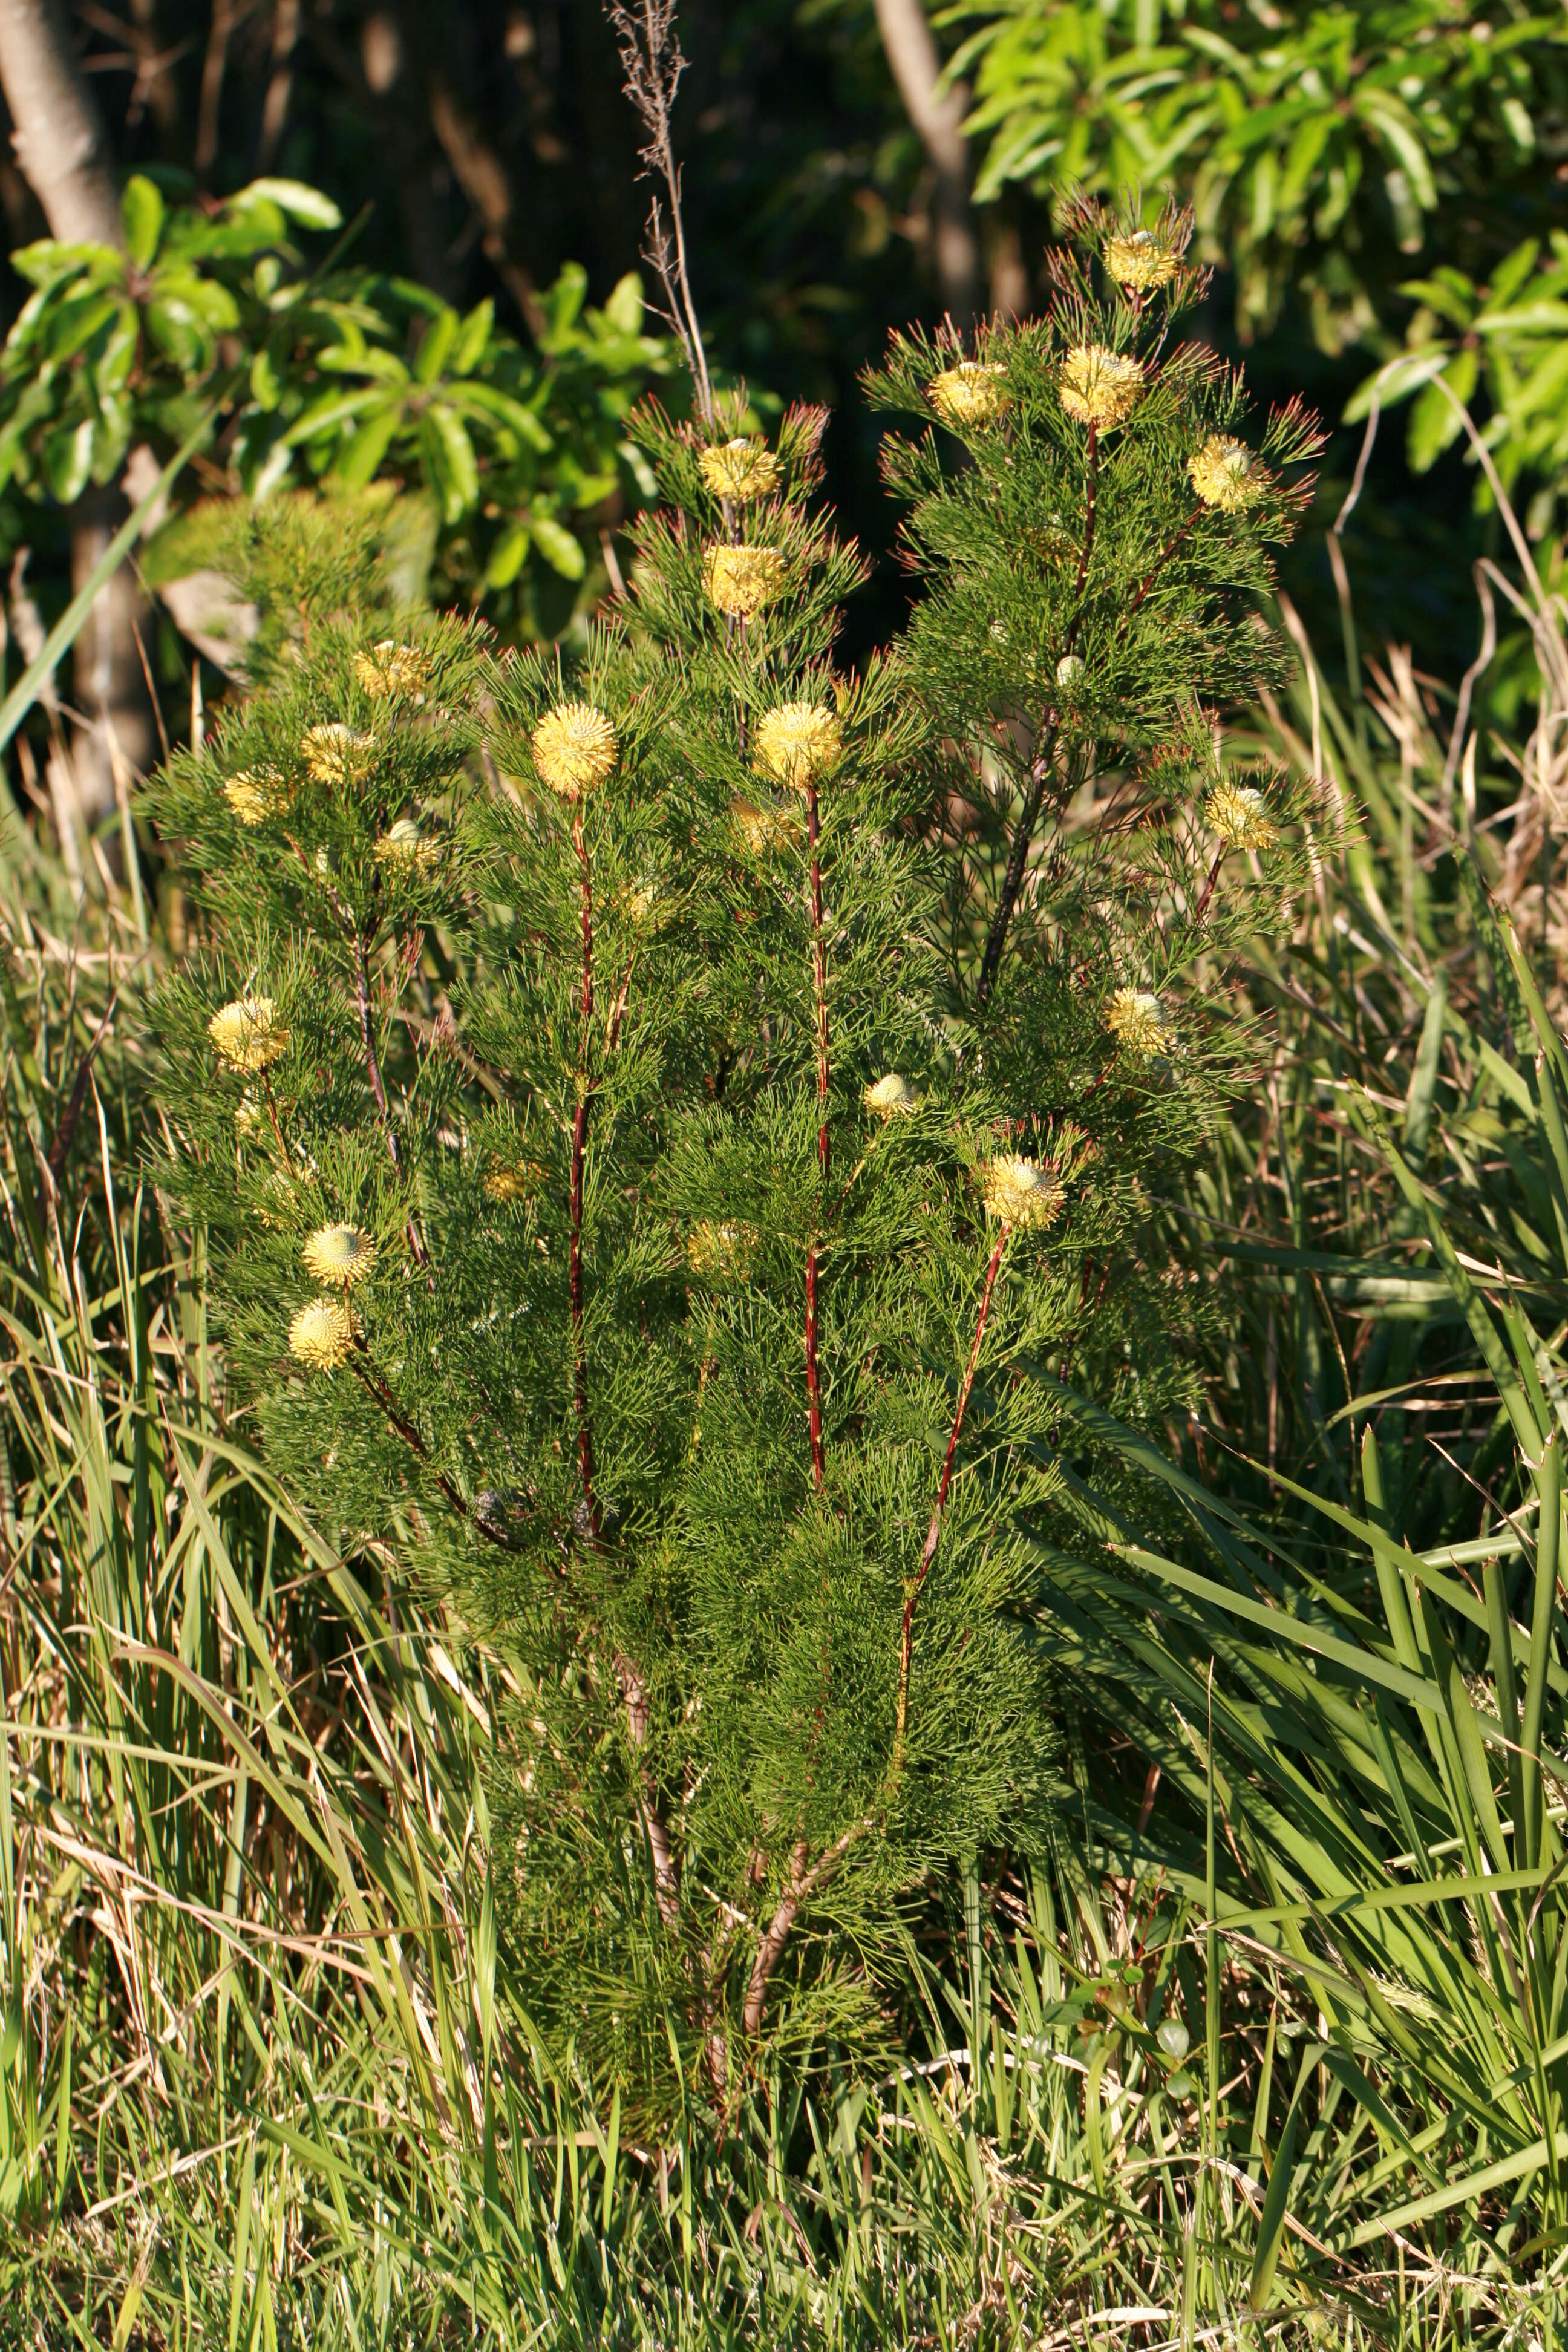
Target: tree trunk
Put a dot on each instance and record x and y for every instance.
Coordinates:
(58, 132)
(63, 148)
(916, 66)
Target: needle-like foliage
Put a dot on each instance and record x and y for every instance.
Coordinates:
(638, 1201)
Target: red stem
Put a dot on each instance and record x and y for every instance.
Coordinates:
(1202, 906)
(933, 1533)
(1161, 560)
(579, 1150)
(819, 979)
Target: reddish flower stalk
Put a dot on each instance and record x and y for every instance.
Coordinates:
(819, 981)
(579, 1150)
(1202, 906)
(933, 1533)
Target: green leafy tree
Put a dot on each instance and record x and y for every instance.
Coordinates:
(1321, 147)
(658, 1181)
(334, 375)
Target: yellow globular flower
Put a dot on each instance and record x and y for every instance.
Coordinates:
(742, 469)
(764, 829)
(406, 850)
(972, 392)
(322, 1335)
(641, 903)
(514, 1181)
(718, 1250)
(798, 742)
(1238, 814)
(247, 1115)
(336, 754)
(890, 1097)
(388, 669)
(1226, 475)
(742, 580)
(256, 793)
(1021, 1194)
(247, 1033)
(574, 748)
(1140, 260)
(1100, 387)
(1136, 1019)
(340, 1255)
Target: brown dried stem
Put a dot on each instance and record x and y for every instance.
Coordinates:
(819, 982)
(652, 63)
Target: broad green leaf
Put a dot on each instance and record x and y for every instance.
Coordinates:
(471, 343)
(141, 210)
(459, 482)
(294, 199)
(362, 450)
(624, 310)
(560, 549)
(67, 459)
(508, 556)
(435, 344)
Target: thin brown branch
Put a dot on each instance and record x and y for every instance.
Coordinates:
(802, 1884)
(819, 982)
(933, 1533)
(579, 1154)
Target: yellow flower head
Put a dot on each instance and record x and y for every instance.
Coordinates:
(1100, 387)
(890, 1097)
(336, 754)
(406, 850)
(339, 1256)
(1140, 260)
(642, 905)
(1226, 474)
(969, 394)
(514, 1181)
(247, 1115)
(1238, 814)
(574, 748)
(1021, 1194)
(247, 1033)
(764, 829)
(742, 580)
(742, 469)
(389, 668)
(718, 1251)
(256, 793)
(1070, 670)
(1136, 1019)
(798, 742)
(322, 1334)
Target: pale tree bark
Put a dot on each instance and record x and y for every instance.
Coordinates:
(63, 148)
(911, 53)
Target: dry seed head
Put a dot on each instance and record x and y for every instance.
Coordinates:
(247, 1033)
(742, 469)
(1100, 387)
(336, 754)
(742, 580)
(1239, 815)
(1021, 1194)
(406, 850)
(1136, 1019)
(718, 1250)
(322, 1335)
(339, 1256)
(969, 394)
(798, 742)
(1141, 260)
(389, 668)
(574, 748)
(1226, 474)
(764, 829)
(890, 1097)
(256, 793)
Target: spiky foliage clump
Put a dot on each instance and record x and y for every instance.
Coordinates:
(1093, 541)
(638, 1220)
